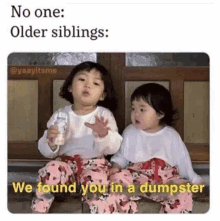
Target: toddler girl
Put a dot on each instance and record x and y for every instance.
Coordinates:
(152, 151)
(91, 132)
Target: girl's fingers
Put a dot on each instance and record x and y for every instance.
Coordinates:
(89, 125)
(97, 119)
(102, 120)
(106, 122)
(53, 132)
(53, 127)
(50, 141)
(52, 136)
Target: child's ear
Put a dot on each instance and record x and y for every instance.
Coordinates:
(103, 96)
(160, 116)
(70, 89)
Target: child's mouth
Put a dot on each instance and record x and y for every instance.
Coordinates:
(137, 122)
(85, 93)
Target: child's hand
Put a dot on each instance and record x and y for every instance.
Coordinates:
(115, 168)
(52, 133)
(113, 171)
(201, 181)
(99, 127)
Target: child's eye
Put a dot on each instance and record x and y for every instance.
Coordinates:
(132, 108)
(81, 79)
(142, 110)
(96, 84)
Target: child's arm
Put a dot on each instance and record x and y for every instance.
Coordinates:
(45, 142)
(118, 160)
(45, 149)
(185, 165)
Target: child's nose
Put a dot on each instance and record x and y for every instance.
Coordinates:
(87, 84)
(137, 113)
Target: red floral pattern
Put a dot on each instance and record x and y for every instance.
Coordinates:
(74, 169)
(156, 171)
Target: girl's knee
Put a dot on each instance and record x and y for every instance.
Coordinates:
(55, 172)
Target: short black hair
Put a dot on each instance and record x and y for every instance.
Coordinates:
(159, 98)
(109, 102)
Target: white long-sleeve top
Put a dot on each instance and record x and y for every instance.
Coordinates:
(80, 139)
(166, 144)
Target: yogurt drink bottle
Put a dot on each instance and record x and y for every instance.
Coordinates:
(61, 124)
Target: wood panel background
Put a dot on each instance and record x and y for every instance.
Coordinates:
(22, 99)
(196, 112)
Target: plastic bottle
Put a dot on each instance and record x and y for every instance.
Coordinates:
(61, 124)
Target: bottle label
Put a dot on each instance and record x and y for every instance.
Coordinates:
(60, 140)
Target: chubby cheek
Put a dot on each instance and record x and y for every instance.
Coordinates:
(132, 118)
(76, 90)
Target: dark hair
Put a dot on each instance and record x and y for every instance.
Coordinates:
(109, 101)
(159, 98)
